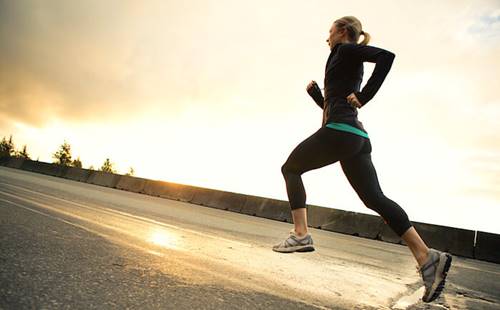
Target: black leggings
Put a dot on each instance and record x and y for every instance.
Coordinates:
(327, 146)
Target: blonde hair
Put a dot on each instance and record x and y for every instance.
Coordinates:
(354, 29)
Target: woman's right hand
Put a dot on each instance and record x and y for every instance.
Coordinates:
(311, 86)
(315, 92)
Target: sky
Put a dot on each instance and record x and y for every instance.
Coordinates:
(212, 94)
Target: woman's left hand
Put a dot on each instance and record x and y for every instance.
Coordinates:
(353, 100)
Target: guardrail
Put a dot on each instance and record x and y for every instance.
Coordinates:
(467, 243)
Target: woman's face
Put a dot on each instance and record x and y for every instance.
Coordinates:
(335, 36)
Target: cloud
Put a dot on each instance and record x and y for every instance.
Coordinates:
(97, 61)
(61, 59)
(485, 26)
(83, 61)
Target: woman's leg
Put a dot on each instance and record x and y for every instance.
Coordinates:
(417, 246)
(362, 176)
(326, 146)
(300, 221)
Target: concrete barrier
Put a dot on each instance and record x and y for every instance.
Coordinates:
(155, 188)
(346, 222)
(388, 235)
(487, 247)
(178, 192)
(44, 168)
(131, 184)
(4, 160)
(229, 201)
(219, 199)
(29, 165)
(103, 179)
(169, 190)
(450, 239)
(14, 162)
(267, 208)
(203, 197)
(77, 174)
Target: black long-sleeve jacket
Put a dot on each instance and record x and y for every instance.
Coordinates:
(343, 76)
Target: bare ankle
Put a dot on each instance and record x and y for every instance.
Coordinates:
(300, 233)
(422, 258)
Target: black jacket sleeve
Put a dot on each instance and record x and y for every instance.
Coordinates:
(383, 61)
(315, 93)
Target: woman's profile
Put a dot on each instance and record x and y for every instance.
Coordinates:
(343, 138)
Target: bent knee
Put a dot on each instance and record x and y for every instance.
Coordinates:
(285, 169)
(288, 169)
(374, 200)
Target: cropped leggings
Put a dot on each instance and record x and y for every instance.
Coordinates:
(327, 146)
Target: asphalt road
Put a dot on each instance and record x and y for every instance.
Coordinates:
(65, 244)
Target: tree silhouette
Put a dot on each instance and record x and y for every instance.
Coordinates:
(77, 163)
(23, 153)
(107, 166)
(6, 147)
(130, 172)
(63, 155)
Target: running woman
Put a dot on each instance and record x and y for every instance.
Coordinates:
(343, 138)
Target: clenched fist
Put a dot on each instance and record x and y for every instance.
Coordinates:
(353, 100)
(311, 85)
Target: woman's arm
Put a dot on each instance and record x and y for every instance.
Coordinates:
(315, 92)
(383, 61)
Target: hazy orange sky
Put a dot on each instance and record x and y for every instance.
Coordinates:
(212, 93)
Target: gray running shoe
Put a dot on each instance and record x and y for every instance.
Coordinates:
(434, 272)
(295, 244)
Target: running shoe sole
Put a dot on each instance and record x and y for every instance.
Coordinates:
(438, 285)
(298, 248)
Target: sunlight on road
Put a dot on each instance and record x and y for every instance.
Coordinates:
(163, 238)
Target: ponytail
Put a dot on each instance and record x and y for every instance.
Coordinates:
(366, 38)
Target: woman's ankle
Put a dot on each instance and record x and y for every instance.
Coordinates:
(422, 258)
(300, 232)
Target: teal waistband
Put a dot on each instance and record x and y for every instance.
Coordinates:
(348, 128)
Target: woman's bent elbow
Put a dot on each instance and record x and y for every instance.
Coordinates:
(390, 55)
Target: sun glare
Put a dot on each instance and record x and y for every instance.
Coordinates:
(163, 238)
